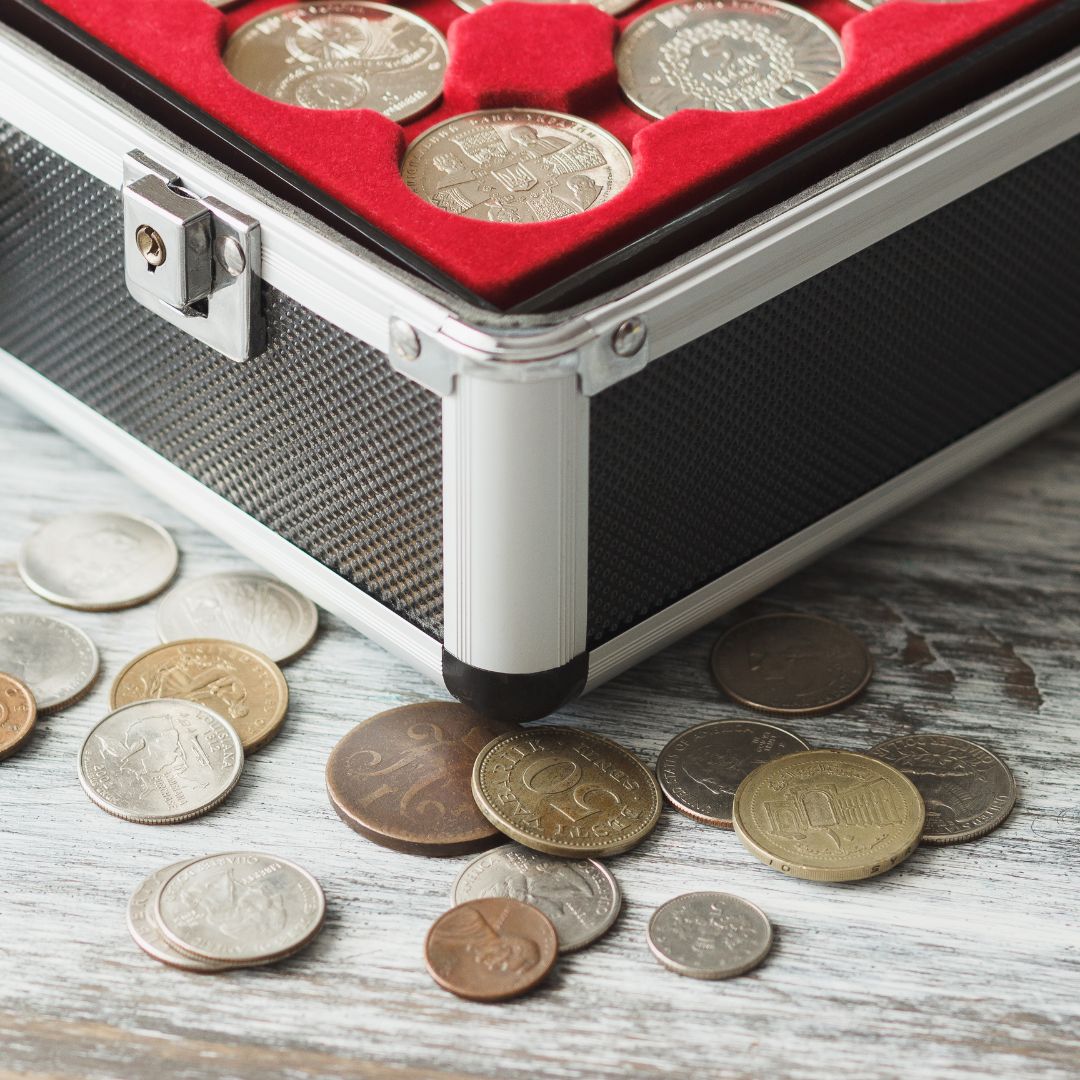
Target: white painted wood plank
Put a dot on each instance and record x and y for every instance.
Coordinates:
(963, 961)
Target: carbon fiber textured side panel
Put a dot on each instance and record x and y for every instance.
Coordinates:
(318, 438)
(754, 431)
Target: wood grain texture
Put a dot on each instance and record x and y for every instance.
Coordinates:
(964, 961)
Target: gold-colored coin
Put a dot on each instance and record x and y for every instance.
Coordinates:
(566, 792)
(18, 714)
(238, 683)
(829, 815)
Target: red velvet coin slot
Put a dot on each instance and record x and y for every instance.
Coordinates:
(534, 56)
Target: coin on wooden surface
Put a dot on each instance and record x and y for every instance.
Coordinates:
(144, 930)
(18, 714)
(566, 792)
(402, 778)
(700, 769)
(709, 935)
(250, 609)
(160, 762)
(516, 165)
(240, 684)
(342, 54)
(98, 561)
(725, 55)
(491, 949)
(580, 897)
(791, 664)
(55, 659)
(967, 790)
(829, 815)
(241, 907)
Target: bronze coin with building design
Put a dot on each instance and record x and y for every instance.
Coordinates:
(18, 714)
(238, 683)
(402, 778)
(491, 949)
(829, 815)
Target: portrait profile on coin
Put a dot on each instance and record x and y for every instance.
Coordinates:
(516, 165)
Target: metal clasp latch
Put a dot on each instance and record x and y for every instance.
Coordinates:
(193, 260)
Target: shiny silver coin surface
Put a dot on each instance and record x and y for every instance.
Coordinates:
(612, 7)
(250, 609)
(580, 897)
(343, 54)
(709, 935)
(516, 165)
(144, 930)
(240, 907)
(700, 769)
(869, 5)
(55, 659)
(98, 561)
(725, 55)
(160, 762)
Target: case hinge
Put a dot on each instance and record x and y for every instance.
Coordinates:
(193, 260)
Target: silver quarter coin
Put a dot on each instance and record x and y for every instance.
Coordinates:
(725, 55)
(967, 790)
(612, 7)
(343, 54)
(516, 165)
(160, 762)
(98, 561)
(55, 659)
(240, 907)
(581, 898)
(250, 609)
(146, 933)
(700, 769)
(709, 935)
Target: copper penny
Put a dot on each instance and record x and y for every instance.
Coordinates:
(791, 664)
(491, 949)
(238, 683)
(402, 778)
(18, 714)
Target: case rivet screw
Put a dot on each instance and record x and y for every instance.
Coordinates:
(403, 340)
(150, 245)
(232, 257)
(628, 337)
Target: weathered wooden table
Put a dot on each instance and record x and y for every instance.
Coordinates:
(964, 961)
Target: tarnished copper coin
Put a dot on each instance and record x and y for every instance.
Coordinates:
(238, 683)
(791, 664)
(566, 792)
(402, 778)
(700, 769)
(491, 949)
(18, 714)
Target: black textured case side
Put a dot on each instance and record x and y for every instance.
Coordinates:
(733, 443)
(318, 438)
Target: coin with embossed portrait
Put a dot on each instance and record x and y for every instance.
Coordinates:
(791, 664)
(240, 684)
(341, 54)
(402, 778)
(725, 55)
(160, 762)
(251, 609)
(709, 935)
(565, 792)
(700, 769)
(580, 897)
(56, 660)
(240, 907)
(491, 949)
(829, 815)
(18, 714)
(98, 561)
(516, 165)
(967, 790)
(612, 7)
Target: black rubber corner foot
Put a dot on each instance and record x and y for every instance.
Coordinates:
(515, 698)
